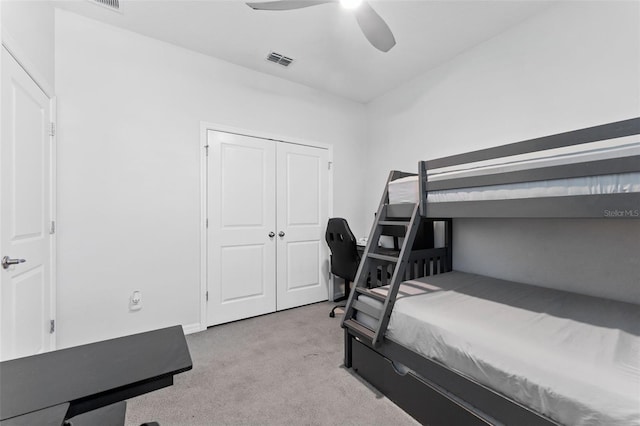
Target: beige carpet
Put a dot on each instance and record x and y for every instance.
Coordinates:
(278, 369)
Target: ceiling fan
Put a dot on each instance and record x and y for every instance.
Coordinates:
(372, 25)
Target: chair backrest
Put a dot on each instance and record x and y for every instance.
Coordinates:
(344, 251)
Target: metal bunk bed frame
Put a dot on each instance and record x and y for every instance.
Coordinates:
(431, 392)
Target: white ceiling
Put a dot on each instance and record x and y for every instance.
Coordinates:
(330, 52)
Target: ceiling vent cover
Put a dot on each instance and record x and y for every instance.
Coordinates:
(279, 59)
(109, 4)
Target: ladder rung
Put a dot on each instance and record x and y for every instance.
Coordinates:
(393, 223)
(356, 326)
(383, 257)
(367, 309)
(372, 294)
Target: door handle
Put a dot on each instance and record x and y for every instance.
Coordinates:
(6, 262)
(272, 234)
(281, 234)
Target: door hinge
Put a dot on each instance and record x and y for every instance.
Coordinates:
(330, 164)
(52, 129)
(52, 326)
(52, 230)
(206, 148)
(206, 296)
(206, 222)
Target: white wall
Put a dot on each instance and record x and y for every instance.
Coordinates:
(28, 30)
(129, 111)
(573, 66)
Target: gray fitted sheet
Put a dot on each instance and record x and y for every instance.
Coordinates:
(573, 358)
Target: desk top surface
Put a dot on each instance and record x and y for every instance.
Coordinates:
(44, 380)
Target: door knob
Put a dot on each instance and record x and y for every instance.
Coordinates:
(6, 262)
(272, 234)
(281, 234)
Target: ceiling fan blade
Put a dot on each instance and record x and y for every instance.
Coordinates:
(286, 4)
(374, 28)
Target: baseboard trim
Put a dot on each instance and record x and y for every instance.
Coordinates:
(193, 328)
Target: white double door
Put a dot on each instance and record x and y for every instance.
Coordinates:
(267, 209)
(26, 285)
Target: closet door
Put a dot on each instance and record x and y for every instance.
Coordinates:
(303, 258)
(241, 204)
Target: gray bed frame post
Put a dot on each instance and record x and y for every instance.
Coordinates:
(348, 348)
(422, 187)
(448, 241)
(423, 183)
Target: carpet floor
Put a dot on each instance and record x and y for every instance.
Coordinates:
(279, 369)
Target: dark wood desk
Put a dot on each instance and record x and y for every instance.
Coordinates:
(91, 376)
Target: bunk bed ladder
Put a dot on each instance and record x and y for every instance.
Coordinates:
(377, 261)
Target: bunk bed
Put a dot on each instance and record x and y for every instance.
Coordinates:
(453, 348)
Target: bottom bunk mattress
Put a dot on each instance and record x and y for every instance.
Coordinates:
(573, 358)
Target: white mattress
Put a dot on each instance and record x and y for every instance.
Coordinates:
(589, 185)
(573, 358)
(406, 190)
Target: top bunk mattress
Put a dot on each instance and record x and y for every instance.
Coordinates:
(406, 190)
(572, 358)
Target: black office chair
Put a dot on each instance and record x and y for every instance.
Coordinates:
(344, 255)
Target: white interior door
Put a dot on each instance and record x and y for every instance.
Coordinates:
(25, 214)
(242, 214)
(303, 258)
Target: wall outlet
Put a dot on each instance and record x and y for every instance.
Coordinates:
(135, 301)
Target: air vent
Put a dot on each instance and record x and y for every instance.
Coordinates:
(109, 4)
(279, 59)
